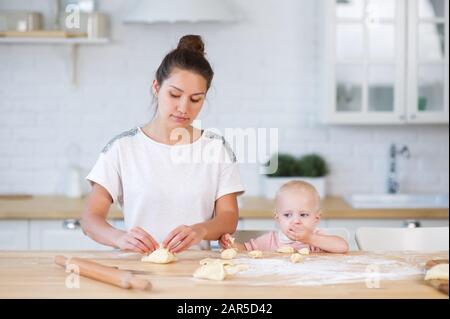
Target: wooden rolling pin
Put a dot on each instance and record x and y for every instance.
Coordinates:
(120, 278)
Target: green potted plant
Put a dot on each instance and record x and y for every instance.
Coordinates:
(311, 168)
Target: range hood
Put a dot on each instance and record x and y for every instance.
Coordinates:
(173, 11)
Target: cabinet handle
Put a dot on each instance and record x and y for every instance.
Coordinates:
(71, 224)
(413, 116)
(412, 224)
(402, 117)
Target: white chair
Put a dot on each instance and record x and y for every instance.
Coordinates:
(341, 232)
(397, 239)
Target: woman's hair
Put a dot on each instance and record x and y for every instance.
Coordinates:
(190, 56)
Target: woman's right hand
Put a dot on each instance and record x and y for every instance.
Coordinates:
(137, 240)
(226, 241)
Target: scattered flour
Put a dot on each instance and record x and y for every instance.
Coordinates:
(326, 270)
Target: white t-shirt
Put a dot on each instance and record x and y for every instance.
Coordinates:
(160, 186)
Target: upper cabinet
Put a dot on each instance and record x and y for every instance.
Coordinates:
(387, 61)
(428, 63)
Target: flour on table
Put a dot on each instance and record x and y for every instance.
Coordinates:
(324, 270)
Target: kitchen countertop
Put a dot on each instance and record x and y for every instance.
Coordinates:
(34, 275)
(337, 208)
(58, 207)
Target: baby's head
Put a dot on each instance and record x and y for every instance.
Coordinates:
(297, 203)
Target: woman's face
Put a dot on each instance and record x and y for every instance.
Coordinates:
(180, 97)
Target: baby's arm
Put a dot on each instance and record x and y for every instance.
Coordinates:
(226, 242)
(328, 243)
(319, 239)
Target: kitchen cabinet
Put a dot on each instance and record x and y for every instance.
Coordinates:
(45, 235)
(13, 235)
(428, 61)
(387, 61)
(60, 235)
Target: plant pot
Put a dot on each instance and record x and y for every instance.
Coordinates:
(272, 184)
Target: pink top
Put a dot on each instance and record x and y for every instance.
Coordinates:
(273, 240)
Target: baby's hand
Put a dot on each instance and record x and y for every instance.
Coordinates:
(226, 241)
(299, 233)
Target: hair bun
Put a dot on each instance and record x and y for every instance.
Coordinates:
(192, 43)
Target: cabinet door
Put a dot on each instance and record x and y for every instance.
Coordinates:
(433, 222)
(428, 34)
(366, 53)
(60, 235)
(256, 224)
(13, 235)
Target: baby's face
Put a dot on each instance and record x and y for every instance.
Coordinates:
(297, 209)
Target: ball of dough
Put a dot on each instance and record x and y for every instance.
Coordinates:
(160, 256)
(255, 254)
(304, 251)
(218, 269)
(228, 253)
(286, 250)
(234, 269)
(213, 260)
(437, 272)
(295, 258)
(211, 271)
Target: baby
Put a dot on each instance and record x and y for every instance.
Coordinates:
(297, 212)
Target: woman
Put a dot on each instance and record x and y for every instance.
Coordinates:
(166, 199)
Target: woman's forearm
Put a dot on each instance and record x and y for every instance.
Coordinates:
(224, 223)
(97, 228)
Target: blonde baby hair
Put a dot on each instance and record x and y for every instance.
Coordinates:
(300, 186)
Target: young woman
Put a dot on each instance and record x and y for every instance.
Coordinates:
(179, 203)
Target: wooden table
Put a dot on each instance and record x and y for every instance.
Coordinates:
(34, 275)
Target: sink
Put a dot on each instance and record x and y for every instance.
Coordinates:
(397, 201)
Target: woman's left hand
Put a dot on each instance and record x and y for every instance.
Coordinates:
(183, 237)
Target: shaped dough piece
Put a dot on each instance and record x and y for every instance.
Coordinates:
(207, 261)
(286, 250)
(228, 253)
(160, 256)
(255, 254)
(295, 258)
(217, 269)
(234, 269)
(211, 271)
(437, 272)
(304, 251)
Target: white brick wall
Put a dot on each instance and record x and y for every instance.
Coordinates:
(268, 74)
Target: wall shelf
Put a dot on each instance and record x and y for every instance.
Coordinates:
(73, 44)
(36, 40)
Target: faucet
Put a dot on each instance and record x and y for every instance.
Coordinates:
(392, 182)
